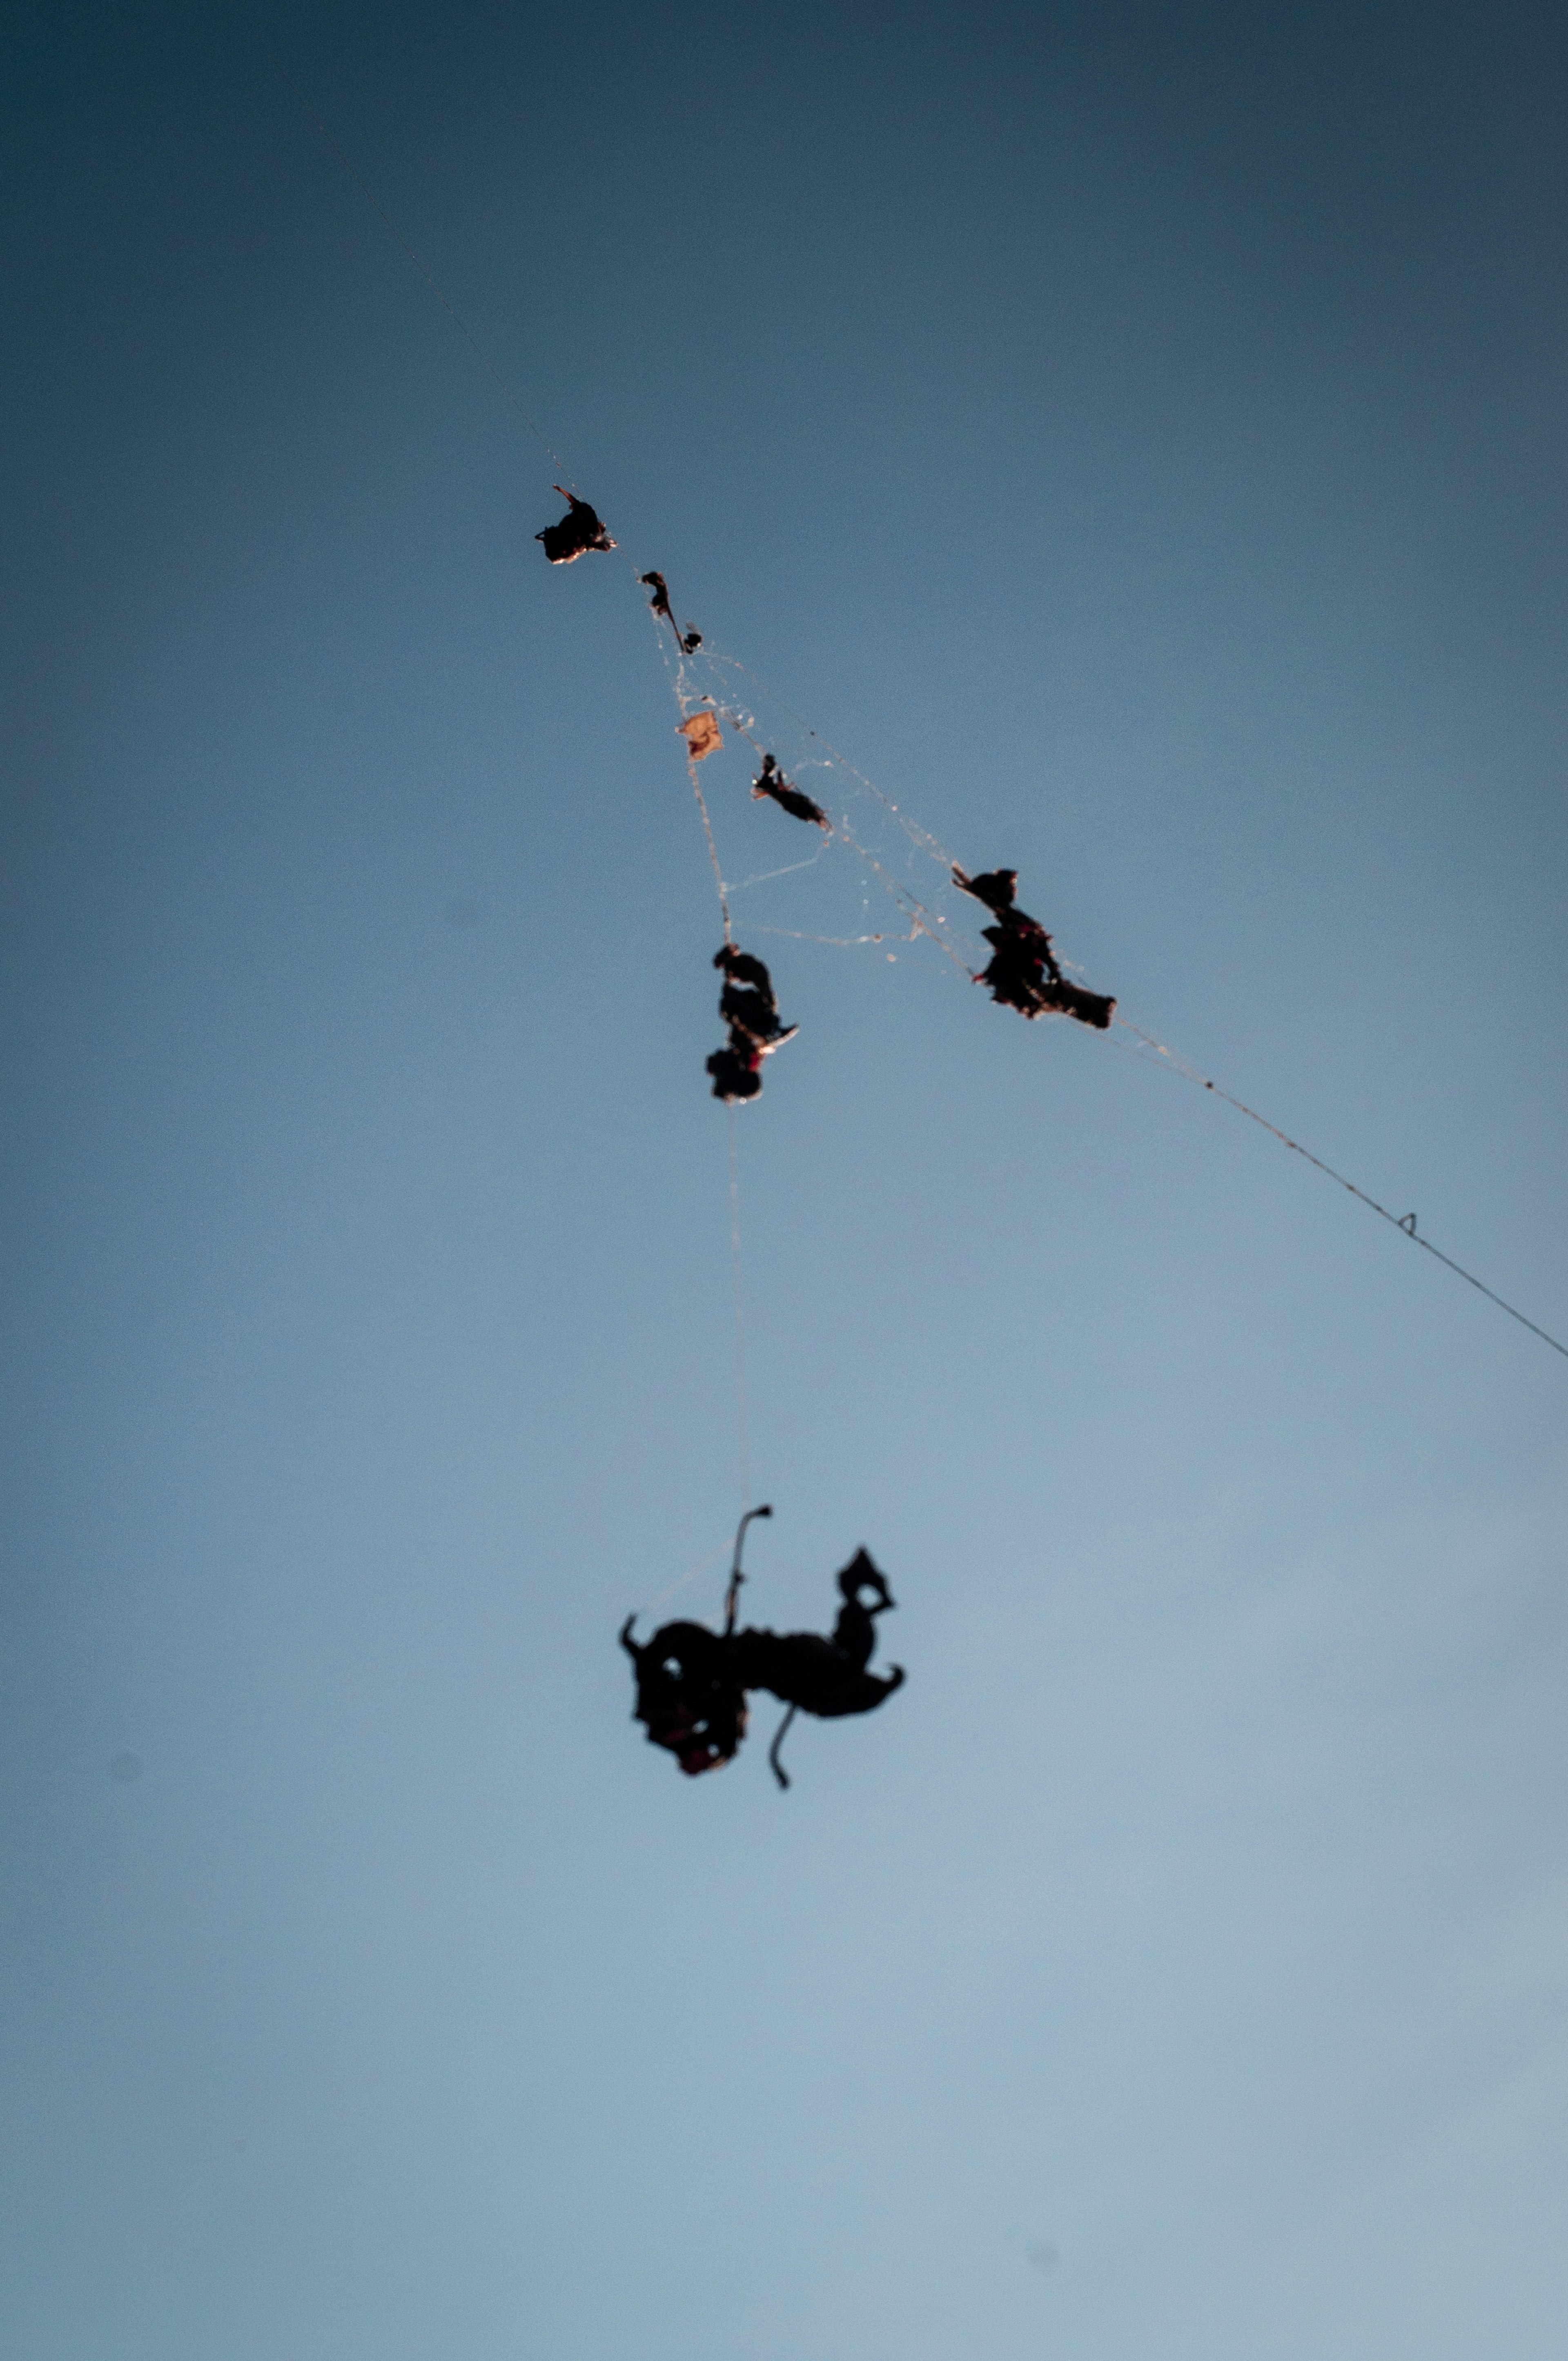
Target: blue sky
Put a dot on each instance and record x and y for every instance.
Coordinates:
(1132, 436)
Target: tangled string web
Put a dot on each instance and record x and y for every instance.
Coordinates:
(871, 878)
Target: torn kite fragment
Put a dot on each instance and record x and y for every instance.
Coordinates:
(701, 733)
(751, 1013)
(578, 530)
(1023, 973)
(692, 1682)
(774, 784)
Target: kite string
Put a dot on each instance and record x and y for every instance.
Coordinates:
(922, 920)
(712, 847)
(677, 688)
(677, 681)
(1176, 1064)
(739, 1316)
(912, 828)
(741, 885)
(690, 1576)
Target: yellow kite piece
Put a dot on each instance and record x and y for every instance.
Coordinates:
(701, 735)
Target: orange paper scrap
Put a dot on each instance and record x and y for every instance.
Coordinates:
(701, 735)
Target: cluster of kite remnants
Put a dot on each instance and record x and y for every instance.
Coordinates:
(693, 1682)
(1023, 972)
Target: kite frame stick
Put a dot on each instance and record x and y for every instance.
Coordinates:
(733, 1596)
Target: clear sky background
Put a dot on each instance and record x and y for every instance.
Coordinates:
(1135, 434)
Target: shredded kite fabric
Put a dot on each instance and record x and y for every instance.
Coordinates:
(1024, 972)
(579, 532)
(692, 1683)
(702, 734)
(749, 1008)
(772, 785)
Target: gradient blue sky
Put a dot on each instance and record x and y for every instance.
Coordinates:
(1135, 434)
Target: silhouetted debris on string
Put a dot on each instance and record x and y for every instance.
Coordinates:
(774, 784)
(688, 641)
(749, 1008)
(737, 1071)
(1023, 973)
(579, 532)
(702, 734)
(689, 1695)
(692, 1682)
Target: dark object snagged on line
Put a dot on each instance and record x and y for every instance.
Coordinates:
(750, 1010)
(687, 642)
(774, 784)
(1023, 972)
(579, 532)
(692, 1682)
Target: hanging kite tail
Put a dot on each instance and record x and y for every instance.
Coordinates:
(780, 1773)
